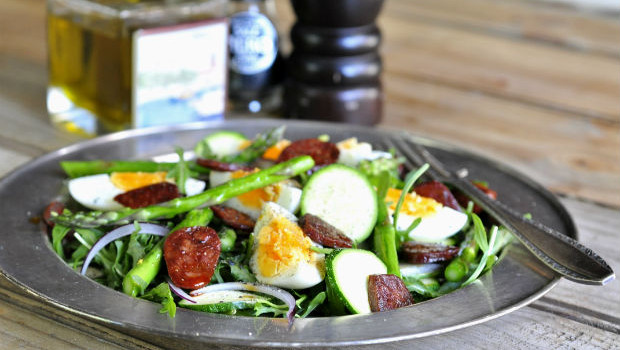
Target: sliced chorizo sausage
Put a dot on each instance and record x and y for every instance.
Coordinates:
(387, 292)
(323, 153)
(191, 255)
(234, 218)
(464, 200)
(148, 195)
(424, 253)
(439, 192)
(323, 233)
(53, 207)
(221, 166)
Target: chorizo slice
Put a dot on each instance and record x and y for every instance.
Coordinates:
(53, 207)
(221, 166)
(323, 233)
(323, 153)
(148, 195)
(424, 253)
(464, 200)
(191, 255)
(234, 218)
(439, 192)
(387, 292)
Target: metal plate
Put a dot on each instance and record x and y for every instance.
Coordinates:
(26, 257)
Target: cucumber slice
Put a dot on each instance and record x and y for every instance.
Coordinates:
(226, 301)
(343, 197)
(220, 144)
(347, 272)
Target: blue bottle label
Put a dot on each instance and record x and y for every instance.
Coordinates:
(253, 43)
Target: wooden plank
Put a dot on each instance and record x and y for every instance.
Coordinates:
(27, 323)
(10, 160)
(22, 29)
(527, 328)
(20, 329)
(566, 153)
(597, 227)
(519, 19)
(28, 131)
(527, 72)
(25, 123)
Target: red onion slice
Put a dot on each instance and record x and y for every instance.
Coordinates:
(121, 232)
(276, 292)
(180, 292)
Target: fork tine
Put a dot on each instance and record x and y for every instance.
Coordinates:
(434, 163)
(406, 148)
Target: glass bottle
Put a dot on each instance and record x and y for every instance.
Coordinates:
(256, 67)
(118, 64)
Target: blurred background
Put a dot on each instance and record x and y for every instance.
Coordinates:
(469, 73)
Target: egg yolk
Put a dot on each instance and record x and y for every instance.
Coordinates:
(256, 198)
(273, 152)
(128, 181)
(282, 245)
(245, 144)
(413, 205)
(350, 143)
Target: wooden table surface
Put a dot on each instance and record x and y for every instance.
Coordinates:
(533, 84)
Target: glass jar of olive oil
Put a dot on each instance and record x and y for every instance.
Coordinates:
(118, 64)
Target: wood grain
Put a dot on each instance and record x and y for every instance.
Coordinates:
(540, 75)
(22, 30)
(595, 33)
(529, 83)
(586, 165)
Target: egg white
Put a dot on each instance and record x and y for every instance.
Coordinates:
(97, 192)
(434, 227)
(194, 186)
(353, 152)
(305, 274)
(288, 197)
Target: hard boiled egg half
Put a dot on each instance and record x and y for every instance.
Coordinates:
(281, 253)
(438, 222)
(284, 193)
(97, 192)
(352, 152)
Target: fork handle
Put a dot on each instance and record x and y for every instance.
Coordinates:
(561, 253)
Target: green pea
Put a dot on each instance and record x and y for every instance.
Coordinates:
(456, 270)
(469, 254)
(227, 239)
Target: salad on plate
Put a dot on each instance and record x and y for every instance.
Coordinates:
(267, 226)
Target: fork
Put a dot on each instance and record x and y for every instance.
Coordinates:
(558, 251)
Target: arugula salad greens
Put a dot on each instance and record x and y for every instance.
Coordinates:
(272, 227)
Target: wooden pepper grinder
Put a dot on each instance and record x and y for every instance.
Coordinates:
(335, 69)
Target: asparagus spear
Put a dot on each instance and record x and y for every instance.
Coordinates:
(82, 168)
(77, 168)
(141, 275)
(213, 196)
(258, 146)
(385, 234)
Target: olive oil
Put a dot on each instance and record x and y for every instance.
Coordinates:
(91, 59)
